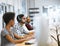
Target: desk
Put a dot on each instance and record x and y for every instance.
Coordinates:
(23, 44)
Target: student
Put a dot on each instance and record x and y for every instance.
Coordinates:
(20, 27)
(28, 20)
(7, 36)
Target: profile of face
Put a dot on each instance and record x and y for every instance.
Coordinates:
(28, 19)
(23, 19)
(12, 22)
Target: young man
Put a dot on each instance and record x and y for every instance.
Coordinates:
(7, 36)
(21, 29)
(28, 20)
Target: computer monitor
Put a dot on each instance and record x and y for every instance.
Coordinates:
(42, 40)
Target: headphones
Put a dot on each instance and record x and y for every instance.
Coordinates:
(19, 19)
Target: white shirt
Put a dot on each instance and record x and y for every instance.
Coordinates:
(20, 30)
(25, 28)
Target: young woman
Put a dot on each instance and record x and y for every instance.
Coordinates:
(7, 36)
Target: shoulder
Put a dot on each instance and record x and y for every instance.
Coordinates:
(4, 32)
(16, 25)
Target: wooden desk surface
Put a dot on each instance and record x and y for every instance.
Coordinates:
(23, 44)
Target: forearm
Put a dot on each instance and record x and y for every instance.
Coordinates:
(28, 37)
(9, 38)
(18, 41)
(18, 37)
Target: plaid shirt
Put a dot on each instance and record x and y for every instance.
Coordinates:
(20, 30)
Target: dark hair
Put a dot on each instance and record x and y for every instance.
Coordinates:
(8, 16)
(19, 17)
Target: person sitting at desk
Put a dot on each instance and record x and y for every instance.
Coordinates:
(28, 20)
(20, 28)
(7, 36)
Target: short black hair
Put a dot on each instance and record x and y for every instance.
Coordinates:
(19, 17)
(8, 16)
